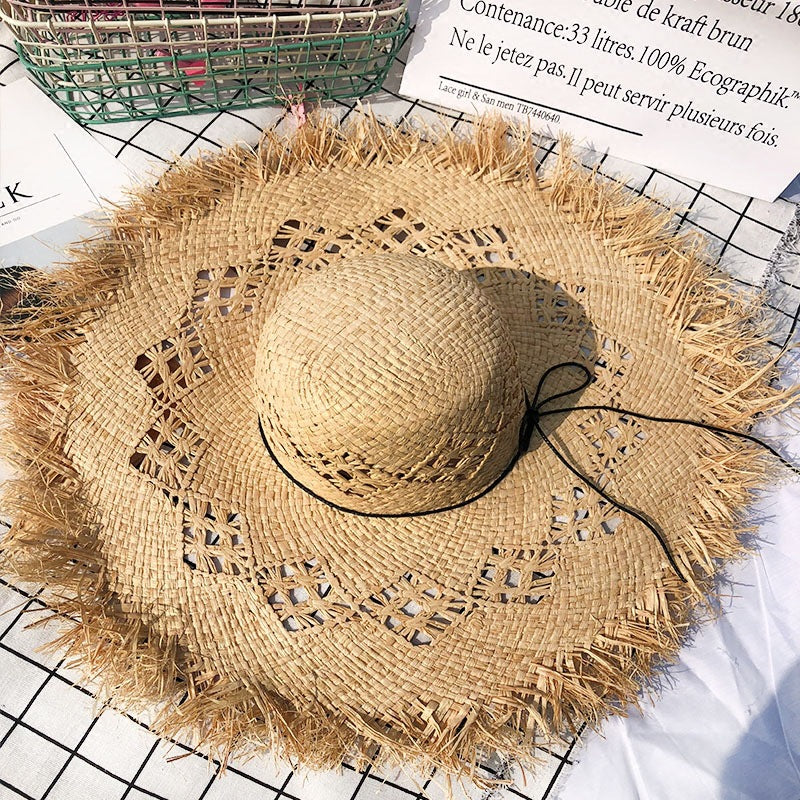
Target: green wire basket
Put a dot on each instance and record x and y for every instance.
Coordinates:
(153, 61)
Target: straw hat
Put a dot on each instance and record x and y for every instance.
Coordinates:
(286, 457)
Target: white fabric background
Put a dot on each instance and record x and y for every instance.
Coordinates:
(728, 715)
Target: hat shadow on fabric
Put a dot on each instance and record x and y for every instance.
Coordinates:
(764, 763)
(548, 326)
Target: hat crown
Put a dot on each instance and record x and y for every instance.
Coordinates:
(389, 386)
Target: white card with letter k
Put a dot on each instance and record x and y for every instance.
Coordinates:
(51, 169)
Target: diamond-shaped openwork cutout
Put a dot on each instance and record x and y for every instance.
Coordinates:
(554, 307)
(416, 608)
(582, 515)
(307, 245)
(168, 451)
(228, 291)
(213, 538)
(516, 575)
(301, 595)
(613, 437)
(607, 359)
(304, 245)
(177, 363)
(483, 247)
(398, 231)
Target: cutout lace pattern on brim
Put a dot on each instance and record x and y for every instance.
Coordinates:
(415, 608)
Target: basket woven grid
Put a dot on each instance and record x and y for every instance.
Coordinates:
(119, 61)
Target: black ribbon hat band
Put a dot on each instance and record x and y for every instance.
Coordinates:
(531, 421)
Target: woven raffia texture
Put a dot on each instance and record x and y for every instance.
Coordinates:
(312, 281)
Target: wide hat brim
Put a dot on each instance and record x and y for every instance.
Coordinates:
(198, 576)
